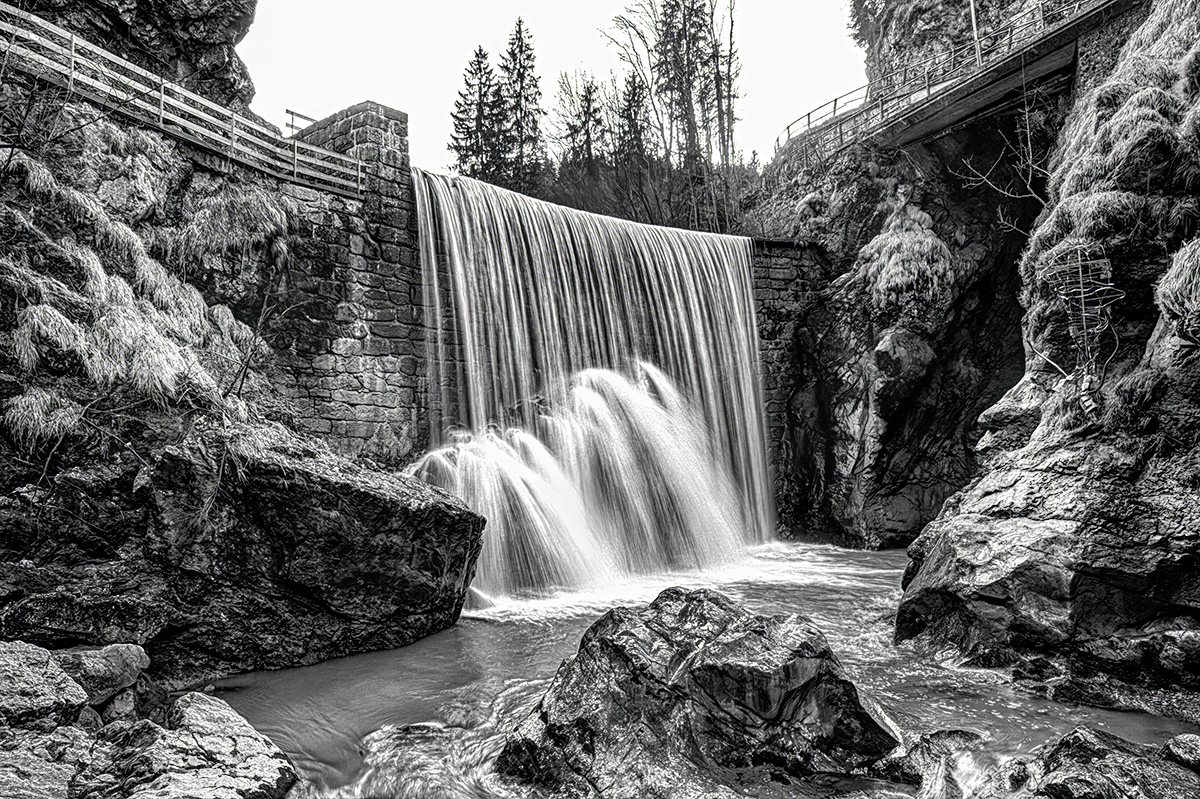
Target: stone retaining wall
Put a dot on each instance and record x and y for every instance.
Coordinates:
(359, 363)
(788, 279)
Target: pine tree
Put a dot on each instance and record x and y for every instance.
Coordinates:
(476, 141)
(583, 125)
(523, 147)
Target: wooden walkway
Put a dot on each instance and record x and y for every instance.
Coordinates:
(923, 98)
(50, 53)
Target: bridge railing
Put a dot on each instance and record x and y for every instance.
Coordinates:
(848, 118)
(45, 51)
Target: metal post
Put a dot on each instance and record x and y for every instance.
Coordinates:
(232, 132)
(71, 78)
(928, 85)
(358, 175)
(295, 159)
(1041, 9)
(835, 106)
(975, 31)
(162, 98)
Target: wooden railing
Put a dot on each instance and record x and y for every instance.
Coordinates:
(854, 115)
(48, 52)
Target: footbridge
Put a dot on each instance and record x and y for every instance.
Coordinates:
(920, 99)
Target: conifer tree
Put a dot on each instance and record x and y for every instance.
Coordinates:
(477, 138)
(523, 148)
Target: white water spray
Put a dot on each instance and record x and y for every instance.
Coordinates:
(593, 387)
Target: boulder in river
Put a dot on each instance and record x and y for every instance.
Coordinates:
(231, 551)
(1091, 764)
(693, 695)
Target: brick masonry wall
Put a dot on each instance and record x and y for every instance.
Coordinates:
(358, 360)
(788, 280)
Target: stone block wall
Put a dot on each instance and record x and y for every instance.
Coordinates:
(788, 281)
(358, 359)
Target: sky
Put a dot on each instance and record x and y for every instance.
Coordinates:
(317, 58)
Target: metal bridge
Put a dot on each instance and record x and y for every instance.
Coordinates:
(920, 99)
(35, 47)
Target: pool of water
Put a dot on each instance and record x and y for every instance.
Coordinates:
(477, 680)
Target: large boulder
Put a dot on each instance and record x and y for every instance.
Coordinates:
(103, 671)
(693, 695)
(34, 690)
(1091, 764)
(207, 751)
(229, 553)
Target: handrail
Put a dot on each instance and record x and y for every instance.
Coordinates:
(48, 52)
(826, 129)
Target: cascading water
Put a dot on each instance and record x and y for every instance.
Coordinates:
(594, 387)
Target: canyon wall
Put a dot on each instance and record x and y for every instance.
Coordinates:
(1073, 556)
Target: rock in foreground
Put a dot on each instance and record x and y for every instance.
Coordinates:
(1090, 764)
(52, 744)
(694, 695)
(231, 552)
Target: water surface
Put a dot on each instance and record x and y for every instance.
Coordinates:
(480, 678)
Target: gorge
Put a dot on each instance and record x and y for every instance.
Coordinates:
(333, 477)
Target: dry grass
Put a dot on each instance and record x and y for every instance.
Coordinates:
(43, 328)
(38, 416)
(235, 221)
(1131, 398)
(1178, 292)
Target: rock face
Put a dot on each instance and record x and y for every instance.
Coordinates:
(891, 353)
(1081, 540)
(692, 695)
(1089, 764)
(190, 42)
(295, 557)
(51, 744)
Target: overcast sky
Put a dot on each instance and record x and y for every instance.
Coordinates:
(319, 57)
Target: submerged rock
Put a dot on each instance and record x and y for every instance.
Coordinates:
(694, 694)
(1090, 764)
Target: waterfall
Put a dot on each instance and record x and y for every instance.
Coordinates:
(593, 387)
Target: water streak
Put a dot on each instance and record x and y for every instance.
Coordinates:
(593, 386)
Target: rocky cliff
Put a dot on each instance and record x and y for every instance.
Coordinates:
(153, 487)
(1080, 539)
(190, 43)
(911, 333)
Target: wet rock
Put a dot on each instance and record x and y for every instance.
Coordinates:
(301, 558)
(1090, 764)
(694, 694)
(105, 671)
(926, 761)
(34, 690)
(1184, 750)
(208, 752)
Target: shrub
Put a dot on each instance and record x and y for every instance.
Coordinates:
(907, 265)
(1131, 398)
